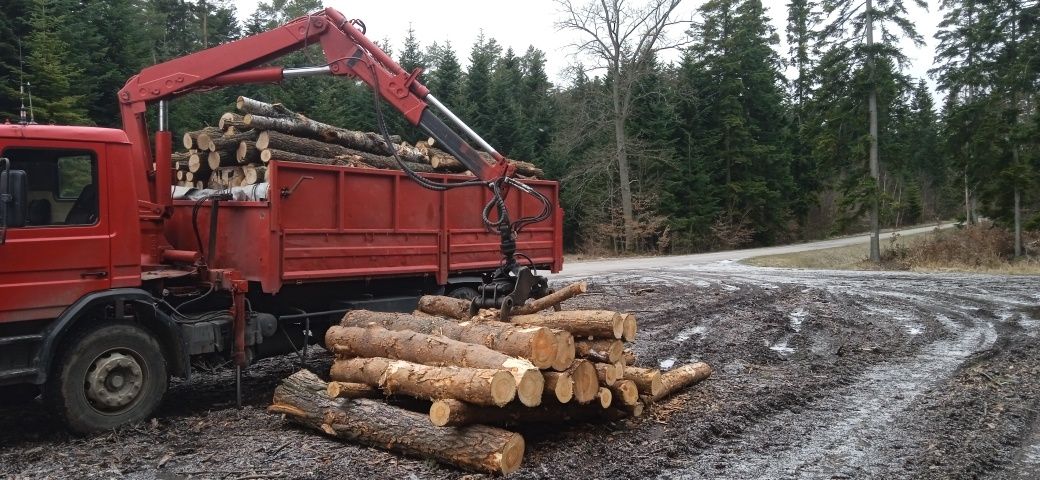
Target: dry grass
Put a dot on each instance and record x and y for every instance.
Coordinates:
(978, 249)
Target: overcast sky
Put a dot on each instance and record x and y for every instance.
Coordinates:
(518, 24)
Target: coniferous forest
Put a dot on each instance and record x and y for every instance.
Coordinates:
(715, 149)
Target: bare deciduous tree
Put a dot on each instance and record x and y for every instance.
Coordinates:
(622, 39)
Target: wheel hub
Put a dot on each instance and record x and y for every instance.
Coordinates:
(114, 381)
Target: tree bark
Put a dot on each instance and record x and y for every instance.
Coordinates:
(352, 390)
(559, 385)
(628, 331)
(581, 323)
(479, 386)
(682, 377)
(441, 160)
(435, 351)
(225, 143)
(533, 343)
(253, 174)
(388, 163)
(605, 351)
(607, 373)
(875, 169)
(303, 398)
(450, 307)
(628, 357)
(197, 165)
(555, 298)
(220, 158)
(266, 156)
(301, 126)
(256, 107)
(647, 380)
(304, 146)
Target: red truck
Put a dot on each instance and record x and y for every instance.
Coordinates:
(110, 285)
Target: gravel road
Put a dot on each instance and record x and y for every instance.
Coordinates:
(818, 374)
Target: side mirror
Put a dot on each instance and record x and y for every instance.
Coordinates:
(13, 198)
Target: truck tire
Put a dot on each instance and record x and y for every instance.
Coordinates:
(107, 376)
(465, 293)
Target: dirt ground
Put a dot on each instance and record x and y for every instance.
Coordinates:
(817, 375)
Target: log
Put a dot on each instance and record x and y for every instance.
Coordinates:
(352, 390)
(607, 373)
(269, 155)
(682, 377)
(226, 143)
(177, 158)
(303, 146)
(388, 163)
(445, 161)
(586, 383)
(605, 397)
(190, 139)
(599, 350)
(453, 413)
(625, 392)
(303, 399)
(450, 307)
(231, 120)
(555, 298)
(565, 352)
(533, 343)
(220, 158)
(646, 379)
(488, 387)
(435, 351)
(247, 152)
(628, 333)
(249, 105)
(628, 356)
(252, 174)
(581, 323)
(560, 385)
(301, 126)
(197, 165)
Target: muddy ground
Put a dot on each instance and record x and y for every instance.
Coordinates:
(818, 375)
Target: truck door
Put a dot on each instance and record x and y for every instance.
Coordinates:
(61, 252)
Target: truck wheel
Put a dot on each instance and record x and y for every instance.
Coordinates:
(465, 293)
(107, 377)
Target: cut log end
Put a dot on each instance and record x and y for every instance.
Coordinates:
(647, 380)
(564, 351)
(530, 387)
(605, 397)
(586, 383)
(628, 332)
(560, 385)
(608, 373)
(351, 390)
(503, 388)
(625, 392)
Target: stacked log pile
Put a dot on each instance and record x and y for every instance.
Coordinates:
(237, 152)
(477, 374)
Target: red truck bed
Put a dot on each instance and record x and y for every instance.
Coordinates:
(345, 223)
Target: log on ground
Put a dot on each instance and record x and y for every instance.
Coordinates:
(488, 387)
(436, 351)
(559, 385)
(352, 390)
(607, 373)
(450, 307)
(599, 350)
(453, 413)
(565, 351)
(586, 383)
(625, 392)
(682, 377)
(303, 398)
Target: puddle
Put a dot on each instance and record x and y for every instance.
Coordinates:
(689, 332)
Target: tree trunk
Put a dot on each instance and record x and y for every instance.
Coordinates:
(565, 351)
(435, 351)
(604, 351)
(304, 146)
(388, 163)
(621, 141)
(478, 386)
(450, 307)
(253, 174)
(586, 383)
(441, 160)
(453, 413)
(682, 377)
(303, 398)
(536, 344)
(226, 143)
(875, 169)
(197, 165)
(301, 126)
(581, 323)
(647, 380)
(1018, 222)
(221, 158)
(352, 390)
(559, 385)
(256, 107)
(552, 299)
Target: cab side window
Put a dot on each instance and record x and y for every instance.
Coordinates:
(62, 184)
